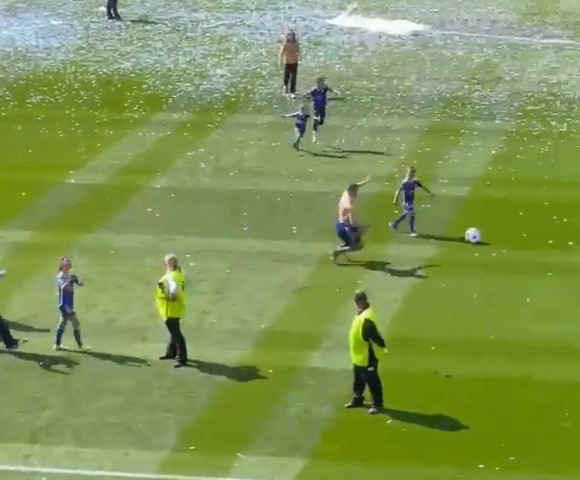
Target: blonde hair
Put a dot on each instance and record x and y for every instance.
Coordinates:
(62, 262)
(172, 262)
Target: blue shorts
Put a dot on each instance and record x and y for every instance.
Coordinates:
(408, 207)
(348, 235)
(320, 114)
(66, 311)
(301, 130)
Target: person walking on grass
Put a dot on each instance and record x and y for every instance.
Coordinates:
(66, 283)
(170, 302)
(289, 56)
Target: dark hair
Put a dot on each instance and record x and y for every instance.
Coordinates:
(291, 36)
(352, 188)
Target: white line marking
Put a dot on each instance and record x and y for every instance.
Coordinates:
(106, 474)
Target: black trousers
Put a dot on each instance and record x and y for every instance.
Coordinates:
(367, 377)
(290, 76)
(112, 12)
(176, 348)
(6, 335)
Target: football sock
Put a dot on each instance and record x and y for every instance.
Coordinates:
(77, 334)
(297, 140)
(59, 334)
(412, 222)
(399, 219)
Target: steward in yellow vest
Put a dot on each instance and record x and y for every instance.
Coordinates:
(364, 340)
(170, 303)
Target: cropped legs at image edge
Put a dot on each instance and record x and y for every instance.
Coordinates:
(122, 141)
(6, 335)
(112, 10)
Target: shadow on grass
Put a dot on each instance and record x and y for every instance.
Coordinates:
(144, 21)
(47, 362)
(361, 152)
(123, 360)
(383, 266)
(24, 327)
(323, 154)
(242, 373)
(445, 238)
(436, 421)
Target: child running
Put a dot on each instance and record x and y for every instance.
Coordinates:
(319, 97)
(300, 121)
(408, 187)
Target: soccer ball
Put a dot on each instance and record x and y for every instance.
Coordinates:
(472, 235)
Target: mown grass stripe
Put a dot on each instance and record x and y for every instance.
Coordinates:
(319, 303)
(323, 392)
(196, 247)
(507, 148)
(102, 201)
(33, 169)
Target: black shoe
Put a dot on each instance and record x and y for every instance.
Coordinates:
(118, 18)
(16, 345)
(354, 404)
(166, 357)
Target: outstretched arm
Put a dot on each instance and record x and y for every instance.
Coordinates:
(362, 183)
(424, 188)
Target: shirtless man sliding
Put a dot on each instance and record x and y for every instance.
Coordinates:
(347, 227)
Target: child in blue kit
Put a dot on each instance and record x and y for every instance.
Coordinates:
(300, 122)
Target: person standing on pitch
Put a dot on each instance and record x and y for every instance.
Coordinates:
(170, 301)
(66, 283)
(112, 11)
(289, 57)
(363, 337)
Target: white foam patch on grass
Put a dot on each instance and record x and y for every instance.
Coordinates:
(379, 25)
(402, 27)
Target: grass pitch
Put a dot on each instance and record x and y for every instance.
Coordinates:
(122, 142)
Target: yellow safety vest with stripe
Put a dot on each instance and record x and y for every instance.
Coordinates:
(171, 308)
(359, 348)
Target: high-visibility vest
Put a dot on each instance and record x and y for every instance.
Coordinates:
(359, 348)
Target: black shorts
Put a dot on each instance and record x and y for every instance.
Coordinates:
(320, 115)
